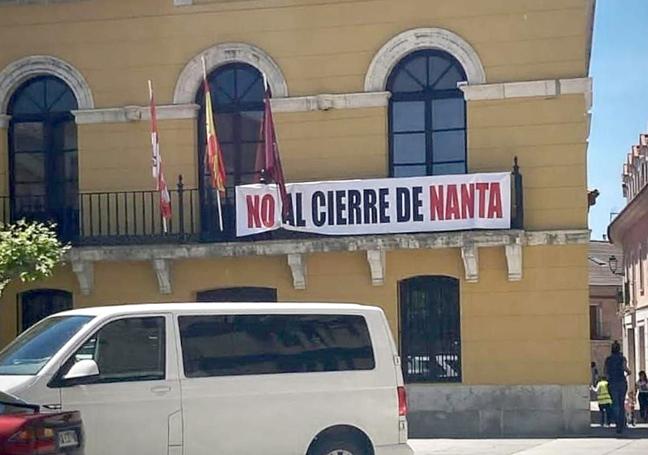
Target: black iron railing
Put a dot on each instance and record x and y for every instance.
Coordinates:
(134, 217)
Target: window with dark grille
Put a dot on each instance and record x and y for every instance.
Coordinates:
(237, 97)
(232, 345)
(238, 294)
(427, 116)
(44, 179)
(430, 329)
(40, 303)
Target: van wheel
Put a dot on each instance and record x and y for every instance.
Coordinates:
(334, 446)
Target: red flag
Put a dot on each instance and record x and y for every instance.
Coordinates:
(158, 175)
(268, 160)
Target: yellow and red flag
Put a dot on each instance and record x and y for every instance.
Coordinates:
(213, 152)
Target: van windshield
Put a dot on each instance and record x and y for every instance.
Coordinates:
(28, 353)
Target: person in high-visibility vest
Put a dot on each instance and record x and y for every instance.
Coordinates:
(604, 401)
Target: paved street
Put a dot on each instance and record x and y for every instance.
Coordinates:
(601, 442)
(592, 446)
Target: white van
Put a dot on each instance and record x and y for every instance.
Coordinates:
(218, 378)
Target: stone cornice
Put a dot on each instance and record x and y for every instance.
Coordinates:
(327, 102)
(434, 240)
(184, 111)
(543, 88)
(296, 251)
(135, 113)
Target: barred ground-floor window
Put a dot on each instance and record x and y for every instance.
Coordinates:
(39, 303)
(430, 329)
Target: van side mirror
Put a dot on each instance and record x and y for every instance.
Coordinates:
(82, 369)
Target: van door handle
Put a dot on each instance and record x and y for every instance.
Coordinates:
(161, 389)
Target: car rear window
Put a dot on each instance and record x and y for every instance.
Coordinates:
(232, 345)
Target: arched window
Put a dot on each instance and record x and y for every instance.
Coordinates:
(427, 116)
(430, 329)
(239, 294)
(40, 303)
(237, 97)
(43, 154)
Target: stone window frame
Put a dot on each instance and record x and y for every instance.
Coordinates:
(19, 71)
(413, 40)
(216, 56)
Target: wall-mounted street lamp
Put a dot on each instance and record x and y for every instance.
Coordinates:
(613, 263)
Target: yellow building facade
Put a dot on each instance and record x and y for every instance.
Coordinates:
(517, 361)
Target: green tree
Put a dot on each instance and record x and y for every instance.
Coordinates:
(29, 251)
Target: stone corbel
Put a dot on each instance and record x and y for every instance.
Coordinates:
(514, 261)
(133, 113)
(162, 269)
(84, 271)
(376, 259)
(324, 102)
(4, 120)
(470, 256)
(297, 263)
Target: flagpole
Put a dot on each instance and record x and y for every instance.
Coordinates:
(218, 199)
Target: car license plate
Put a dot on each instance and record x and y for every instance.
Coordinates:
(68, 438)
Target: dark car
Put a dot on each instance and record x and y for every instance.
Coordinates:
(24, 430)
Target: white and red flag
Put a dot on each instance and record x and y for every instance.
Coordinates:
(158, 174)
(213, 152)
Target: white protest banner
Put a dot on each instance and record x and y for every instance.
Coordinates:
(379, 206)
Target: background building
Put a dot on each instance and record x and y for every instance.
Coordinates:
(493, 325)
(629, 231)
(606, 293)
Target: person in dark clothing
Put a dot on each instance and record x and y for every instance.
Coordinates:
(616, 368)
(642, 395)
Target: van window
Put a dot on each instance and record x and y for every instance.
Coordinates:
(231, 345)
(28, 353)
(130, 349)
